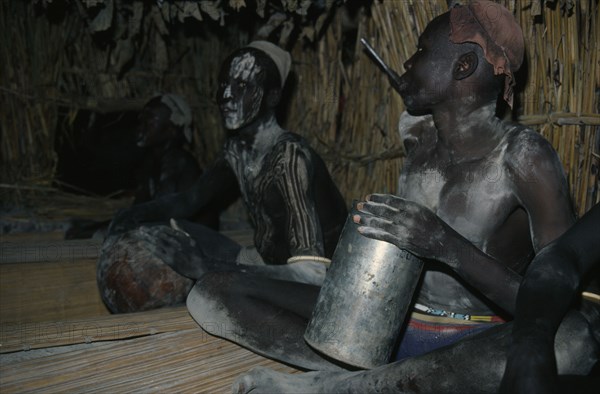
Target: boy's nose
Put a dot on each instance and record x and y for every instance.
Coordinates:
(227, 92)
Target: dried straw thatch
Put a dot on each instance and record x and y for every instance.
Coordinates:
(341, 102)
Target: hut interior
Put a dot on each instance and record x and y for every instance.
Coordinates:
(73, 76)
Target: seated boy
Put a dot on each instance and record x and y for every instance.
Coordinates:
(294, 206)
(128, 277)
(478, 197)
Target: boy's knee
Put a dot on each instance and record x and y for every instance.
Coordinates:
(218, 284)
(207, 301)
(575, 346)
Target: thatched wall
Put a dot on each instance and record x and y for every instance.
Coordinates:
(56, 66)
(340, 101)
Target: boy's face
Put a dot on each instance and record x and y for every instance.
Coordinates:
(428, 80)
(241, 91)
(154, 125)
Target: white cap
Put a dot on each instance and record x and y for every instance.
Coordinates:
(282, 58)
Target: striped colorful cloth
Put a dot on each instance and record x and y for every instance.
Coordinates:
(429, 329)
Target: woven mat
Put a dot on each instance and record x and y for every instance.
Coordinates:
(159, 351)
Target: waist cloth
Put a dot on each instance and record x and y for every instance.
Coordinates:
(429, 329)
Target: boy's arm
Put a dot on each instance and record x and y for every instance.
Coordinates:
(295, 181)
(549, 288)
(413, 227)
(216, 179)
(540, 186)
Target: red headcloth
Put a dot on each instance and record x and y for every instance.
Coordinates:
(496, 31)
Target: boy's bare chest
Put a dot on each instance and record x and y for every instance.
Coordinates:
(473, 197)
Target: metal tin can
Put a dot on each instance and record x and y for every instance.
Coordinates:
(364, 300)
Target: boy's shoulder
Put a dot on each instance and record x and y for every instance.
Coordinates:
(291, 142)
(524, 142)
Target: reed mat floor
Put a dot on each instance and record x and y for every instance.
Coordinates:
(157, 351)
(57, 336)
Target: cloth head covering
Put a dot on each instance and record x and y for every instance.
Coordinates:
(496, 31)
(181, 114)
(280, 57)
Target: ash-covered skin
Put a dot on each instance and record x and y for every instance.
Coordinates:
(474, 365)
(477, 198)
(483, 184)
(278, 171)
(240, 94)
(290, 197)
(294, 206)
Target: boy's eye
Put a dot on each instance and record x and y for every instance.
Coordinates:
(242, 84)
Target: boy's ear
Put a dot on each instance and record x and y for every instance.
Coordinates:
(273, 97)
(465, 66)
